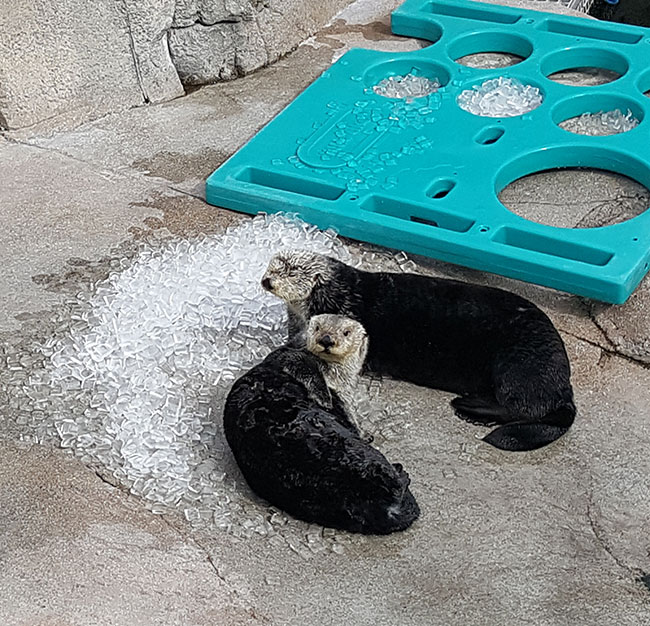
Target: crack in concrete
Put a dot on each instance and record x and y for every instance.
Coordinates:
(601, 202)
(609, 351)
(36, 146)
(600, 538)
(615, 349)
(186, 537)
(42, 120)
(616, 201)
(73, 127)
(600, 329)
(156, 183)
(104, 479)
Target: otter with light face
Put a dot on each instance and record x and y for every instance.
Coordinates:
(287, 422)
(497, 350)
(341, 344)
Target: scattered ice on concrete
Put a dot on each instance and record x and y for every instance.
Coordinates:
(372, 169)
(601, 123)
(500, 97)
(406, 87)
(132, 377)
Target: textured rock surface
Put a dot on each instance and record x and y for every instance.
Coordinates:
(149, 21)
(66, 61)
(68, 57)
(213, 41)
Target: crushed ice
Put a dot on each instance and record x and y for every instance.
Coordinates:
(500, 97)
(406, 87)
(601, 123)
(134, 376)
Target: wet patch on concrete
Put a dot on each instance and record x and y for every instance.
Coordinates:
(378, 30)
(177, 167)
(184, 216)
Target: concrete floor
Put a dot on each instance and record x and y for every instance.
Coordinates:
(551, 538)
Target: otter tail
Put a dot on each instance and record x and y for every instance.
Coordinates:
(513, 434)
(520, 436)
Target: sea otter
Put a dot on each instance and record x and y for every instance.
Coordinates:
(288, 425)
(497, 350)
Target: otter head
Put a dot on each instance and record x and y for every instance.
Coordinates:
(292, 275)
(337, 339)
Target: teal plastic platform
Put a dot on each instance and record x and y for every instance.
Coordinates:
(424, 176)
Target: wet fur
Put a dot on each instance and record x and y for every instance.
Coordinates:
(498, 351)
(308, 459)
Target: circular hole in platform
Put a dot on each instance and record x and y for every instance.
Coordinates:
(489, 50)
(575, 187)
(592, 114)
(583, 67)
(406, 78)
(500, 97)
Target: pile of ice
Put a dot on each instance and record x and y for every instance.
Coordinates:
(601, 123)
(134, 379)
(406, 87)
(500, 97)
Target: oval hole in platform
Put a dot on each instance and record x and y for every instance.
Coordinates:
(440, 188)
(489, 135)
(549, 188)
(489, 50)
(584, 67)
(593, 114)
(403, 67)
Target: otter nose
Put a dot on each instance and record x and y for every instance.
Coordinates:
(326, 341)
(266, 283)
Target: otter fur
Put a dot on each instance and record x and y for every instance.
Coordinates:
(497, 350)
(288, 426)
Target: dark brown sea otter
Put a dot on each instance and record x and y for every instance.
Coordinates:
(498, 351)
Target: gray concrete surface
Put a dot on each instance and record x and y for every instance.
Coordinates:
(552, 538)
(74, 550)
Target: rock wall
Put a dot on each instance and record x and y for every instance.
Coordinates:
(65, 61)
(215, 40)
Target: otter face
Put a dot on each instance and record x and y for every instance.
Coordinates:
(336, 338)
(292, 275)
